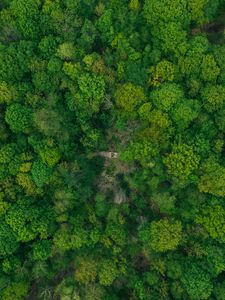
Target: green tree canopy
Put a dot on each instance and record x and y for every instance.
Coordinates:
(18, 117)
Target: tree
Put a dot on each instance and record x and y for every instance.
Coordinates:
(54, 65)
(190, 63)
(86, 102)
(162, 235)
(26, 182)
(48, 46)
(219, 58)
(43, 82)
(108, 272)
(92, 90)
(134, 71)
(86, 271)
(16, 290)
(166, 96)
(213, 178)
(214, 260)
(196, 10)
(7, 93)
(62, 240)
(177, 290)
(182, 161)
(66, 51)
(164, 71)
(213, 97)
(116, 233)
(105, 26)
(40, 173)
(66, 238)
(220, 119)
(94, 292)
(165, 202)
(144, 111)
(171, 38)
(49, 122)
(27, 17)
(18, 117)
(7, 153)
(29, 221)
(219, 290)
(196, 282)
(88, 34)
(144, 152)
(73, 70)
(7, 22)
(9, 243)
(134, 5)
(49, 155)
(166, 11)
(41, 250)
(212, 218)
(11, 69)
(129, 97)
(185, 112)
(209, 69)
(66, 290)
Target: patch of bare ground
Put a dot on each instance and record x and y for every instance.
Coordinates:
(107, 182)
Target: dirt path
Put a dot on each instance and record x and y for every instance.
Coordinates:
(107, 154)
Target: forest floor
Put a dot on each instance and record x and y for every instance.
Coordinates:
(215, 30)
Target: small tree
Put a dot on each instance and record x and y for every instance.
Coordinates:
(18, 117)
(162, 235)
(181, 161)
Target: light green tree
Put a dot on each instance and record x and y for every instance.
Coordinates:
(212, 218)
(165, 11)
(18, 117)
(182, 161)
(40, 173)
(196, 282)
(164, 71)
(86, 270)
(129, 97)
(107, 272)
(166, 96)
(209, 69)
(16, 291)
(162, 235)
(213, 97)
(212, 180)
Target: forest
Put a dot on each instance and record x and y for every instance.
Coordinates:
(112, 149)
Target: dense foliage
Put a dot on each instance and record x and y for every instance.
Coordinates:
(112, 169)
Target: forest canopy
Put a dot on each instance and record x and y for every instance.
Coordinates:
(112, 146)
